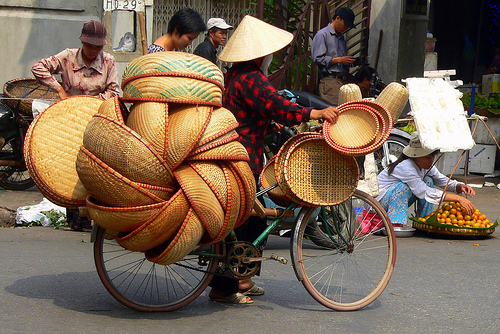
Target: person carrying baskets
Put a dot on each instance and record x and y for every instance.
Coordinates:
(255, 103)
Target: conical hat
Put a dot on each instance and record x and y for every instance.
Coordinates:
(254, 39)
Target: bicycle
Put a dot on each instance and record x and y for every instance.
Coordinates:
(346, 273)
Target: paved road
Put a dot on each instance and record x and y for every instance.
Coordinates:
(48, 284)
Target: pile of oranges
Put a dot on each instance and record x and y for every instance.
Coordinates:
(454, 214)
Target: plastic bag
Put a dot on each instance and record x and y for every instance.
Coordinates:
(38, 213)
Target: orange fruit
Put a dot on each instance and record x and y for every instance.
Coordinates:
(482, 217)
(467, 218)
(453, 211)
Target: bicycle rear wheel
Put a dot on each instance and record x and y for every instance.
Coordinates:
(353, 269)
(146, 286)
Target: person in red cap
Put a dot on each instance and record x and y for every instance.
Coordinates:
(84, 71)
(329, 52)
(216, 36)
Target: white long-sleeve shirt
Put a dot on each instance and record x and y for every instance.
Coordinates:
(408, 172)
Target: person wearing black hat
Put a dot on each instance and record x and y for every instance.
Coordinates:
(84, 71)
(329, 52)
(216, 36)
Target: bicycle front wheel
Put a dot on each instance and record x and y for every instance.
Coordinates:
(353, 268)
(146, 286)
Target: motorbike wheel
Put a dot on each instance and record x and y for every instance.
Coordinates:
(14, 177)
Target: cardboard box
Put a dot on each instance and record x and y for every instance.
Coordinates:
(491, 87)
(482, 159)
(482, 135)
(448, 161)
(491, 78)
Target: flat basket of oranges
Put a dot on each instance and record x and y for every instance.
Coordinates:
(451, 219)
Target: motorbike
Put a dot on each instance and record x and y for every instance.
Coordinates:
(13, 172)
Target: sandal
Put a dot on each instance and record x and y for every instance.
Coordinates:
(253, 291)
(235, 298)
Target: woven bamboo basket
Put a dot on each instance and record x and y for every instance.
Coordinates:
(357, 127)
(186, 124)
(126, 152)
(394, 97)
(173, 89)
(385, 123)
(161, 227)
(280, 163)
(121, 219)
(52, 145)
(186, 239)
(115, 109)
(22, 92)
(221, 122)
(201, 198)
(268, 178)
(246, 183)
(224, 185)
(230, 151)
(112, 188)
(349, 92)
(173, 77)
(172, 63)
(221, 140)
(453, 230)
(150, 121)
(318, 174)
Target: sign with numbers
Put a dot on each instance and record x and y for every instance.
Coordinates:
(135, 5)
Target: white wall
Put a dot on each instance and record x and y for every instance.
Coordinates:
(402, 52)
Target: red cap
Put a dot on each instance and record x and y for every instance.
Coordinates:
(94, 32)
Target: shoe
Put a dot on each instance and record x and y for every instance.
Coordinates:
(253, 291)
(235, 298)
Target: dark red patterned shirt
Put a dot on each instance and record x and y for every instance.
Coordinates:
(255, 102)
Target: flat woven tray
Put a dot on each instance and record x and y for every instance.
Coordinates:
(453, 230)
(26, 90)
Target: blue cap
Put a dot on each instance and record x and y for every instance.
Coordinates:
(347, 15)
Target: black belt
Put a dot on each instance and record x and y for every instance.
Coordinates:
(342, 77)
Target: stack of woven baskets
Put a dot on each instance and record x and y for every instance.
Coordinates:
(161, 178)
(314, 169)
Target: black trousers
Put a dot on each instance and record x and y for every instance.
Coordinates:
(249, 231)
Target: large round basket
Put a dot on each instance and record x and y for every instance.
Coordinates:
(457, 231)
(318, 174)
(267, 179)
(384, 128)
(52, 145)
(357, 127)
(22, 92)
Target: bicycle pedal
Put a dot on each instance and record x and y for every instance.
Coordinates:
(280, 259)
(273, 256)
